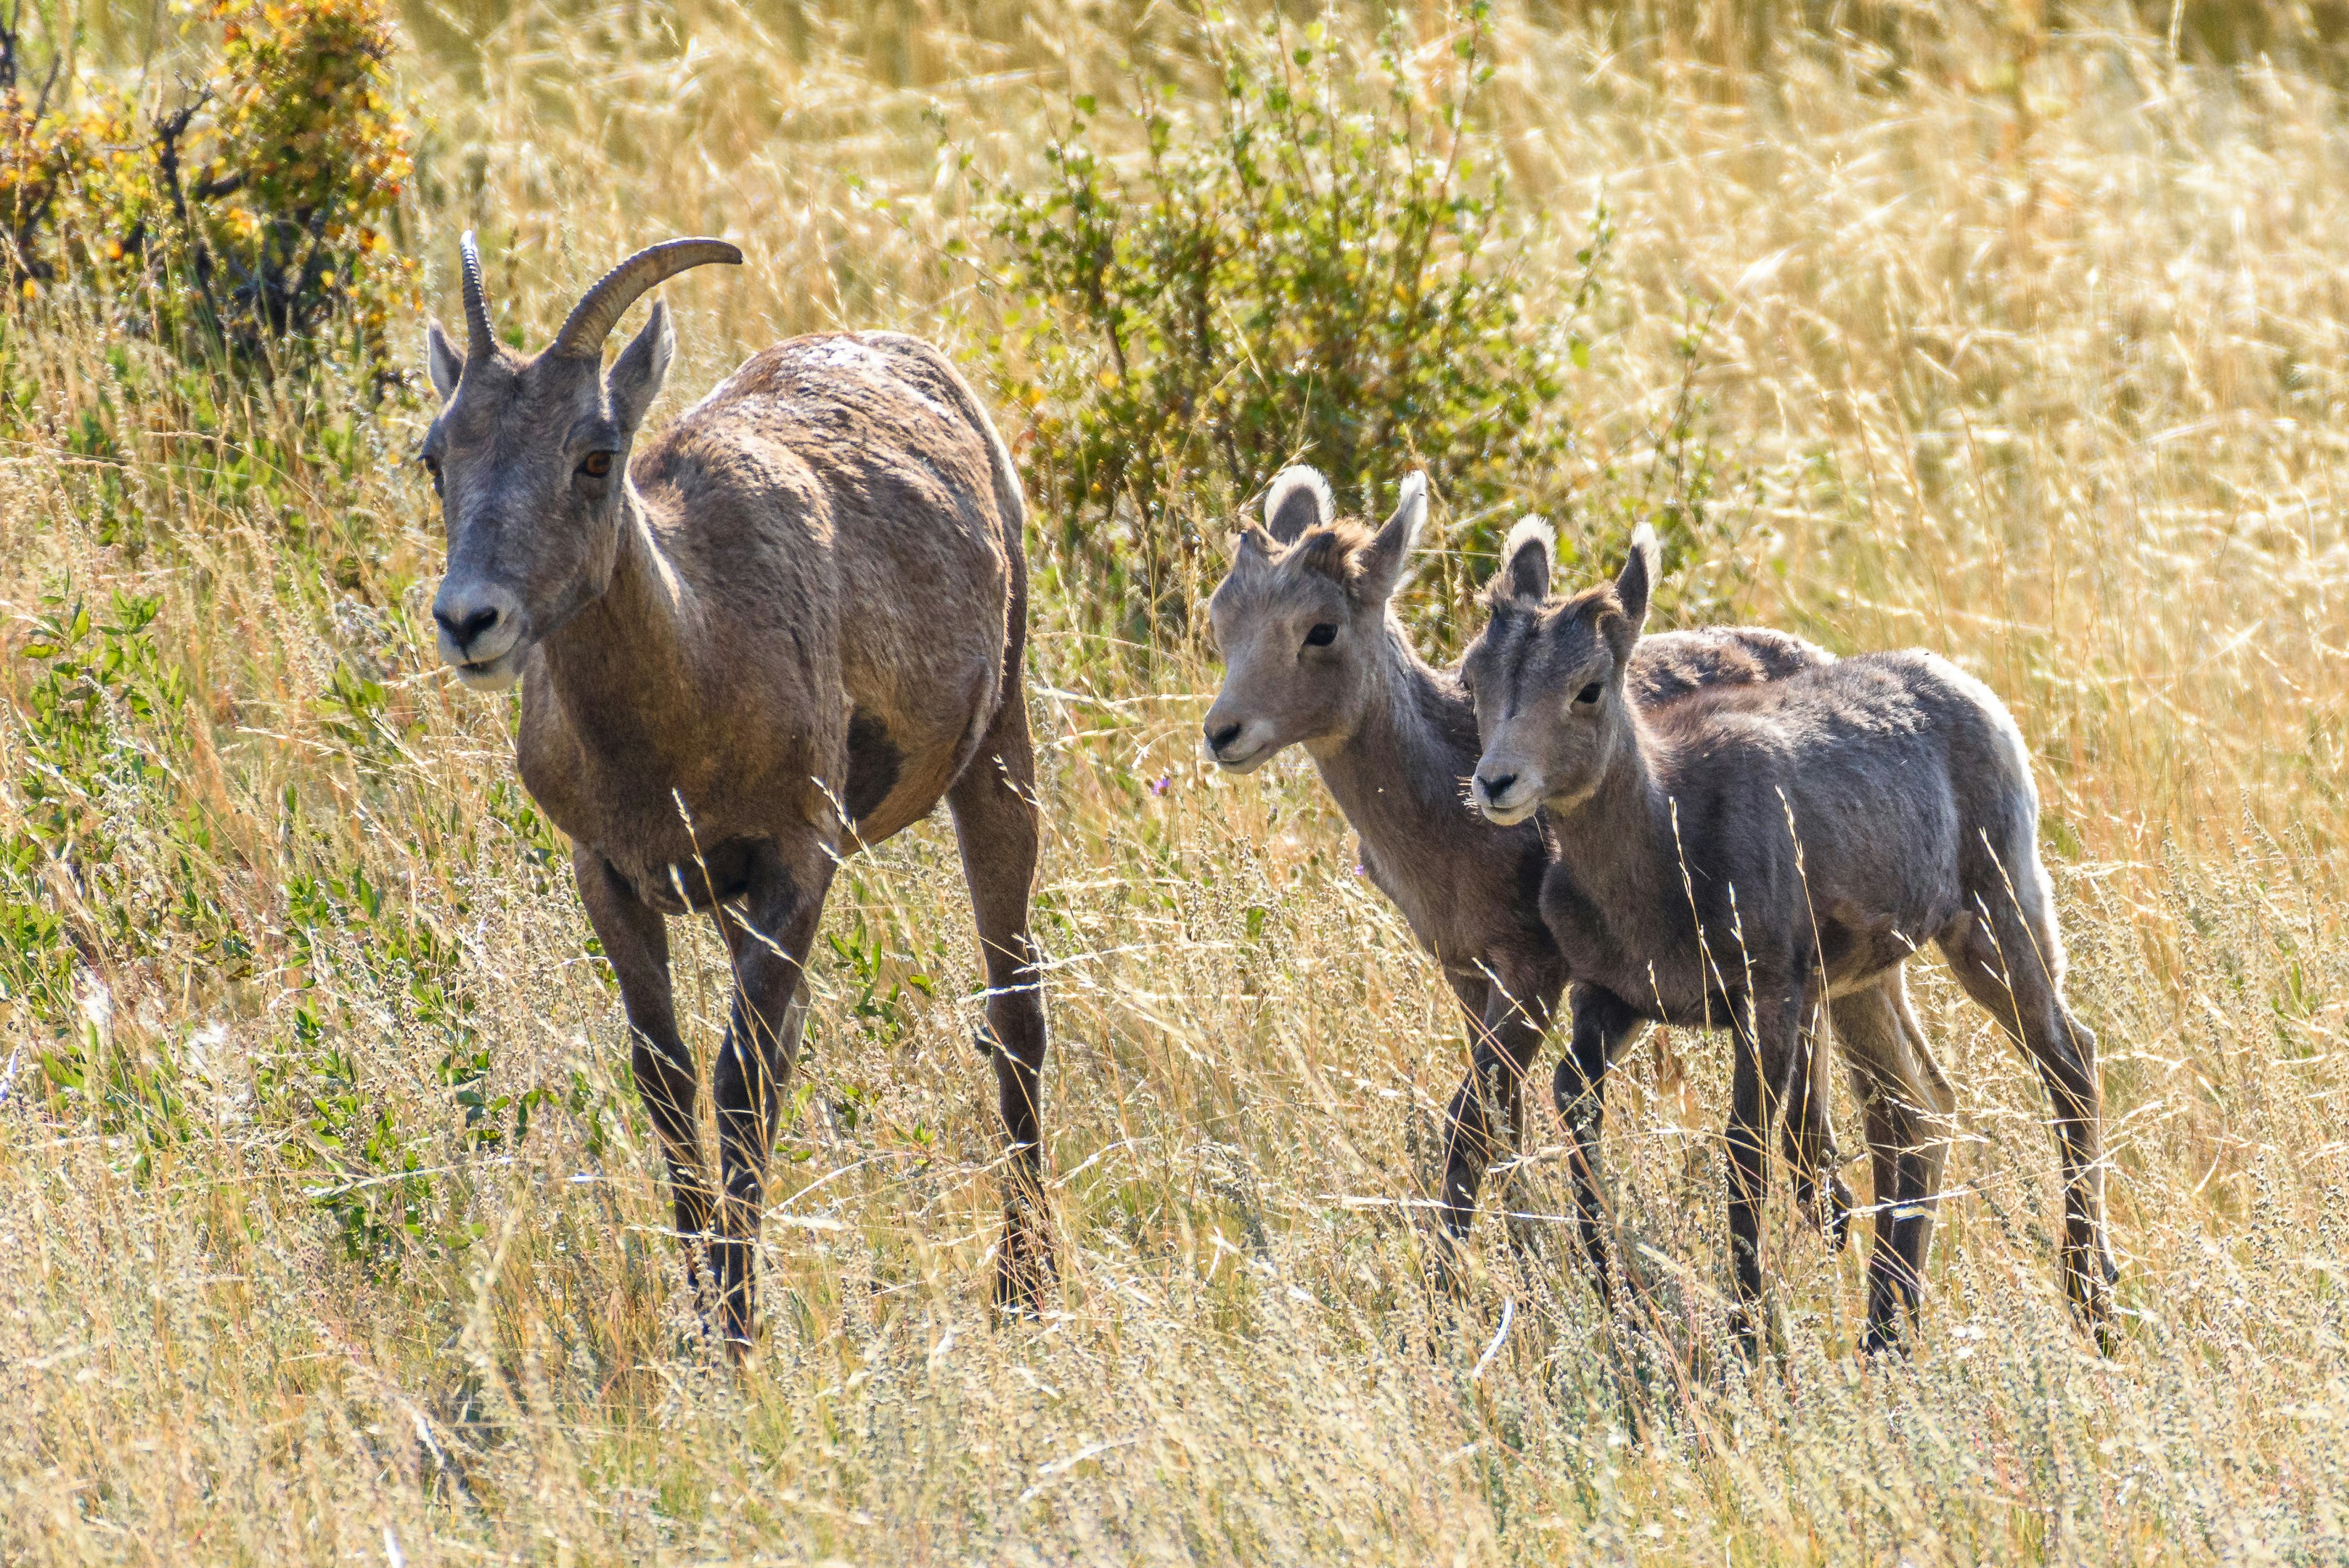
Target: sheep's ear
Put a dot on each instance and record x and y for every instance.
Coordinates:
(1525, 561)
(441, 362)
(635, 376)
(1298, 498)
(1382, 560)
(1639, 575)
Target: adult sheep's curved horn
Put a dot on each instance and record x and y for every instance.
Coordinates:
(591, 320)
(480, 342)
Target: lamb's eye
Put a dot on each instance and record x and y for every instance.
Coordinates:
(596, 464)
(1588, 695)
(1322, 636)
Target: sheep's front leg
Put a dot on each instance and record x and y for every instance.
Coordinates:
(1464, 1154)
(768, 938)
(1767, 1028)
(1603, 1026)
(635, 939)
(1820, 1191)
(1505, 1035)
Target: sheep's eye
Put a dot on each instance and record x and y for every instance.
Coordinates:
(1588, 695)
(597, 464)
(1322, 636)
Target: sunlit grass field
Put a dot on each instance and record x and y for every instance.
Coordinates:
(330, 1229)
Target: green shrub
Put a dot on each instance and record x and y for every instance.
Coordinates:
(84, 734)
(1316, 268)
(251, 215)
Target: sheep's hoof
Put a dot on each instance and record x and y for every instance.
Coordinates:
(1024, 1269)
(1447, 1264)
(1840, 1203)
(1883, 1340)
(2091, 1302)
(1832, 1218)
(1750, 1331)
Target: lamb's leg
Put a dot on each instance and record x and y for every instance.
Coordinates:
(1809, 1134)
(2008, 958)
(1465, 1141)
(994, 806)
(1908, 1105)
(1488, 1115)
(1603, 1026)
(635, 938)
(1766, 1033)
(768, 938)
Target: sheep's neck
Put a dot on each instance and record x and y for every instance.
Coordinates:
(622, 667)
(1621, 846)
(1397, 773)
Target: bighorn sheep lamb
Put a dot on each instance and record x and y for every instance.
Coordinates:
(1735, 858)
(1315, 656)
(784, 628)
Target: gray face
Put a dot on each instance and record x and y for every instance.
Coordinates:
(1302, 621)
(1546, 677)
(530, 461)
(1296, 650)
(1548, 689)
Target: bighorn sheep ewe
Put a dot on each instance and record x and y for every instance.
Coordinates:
(1737, 858)
(784, 628)
(1315, 656)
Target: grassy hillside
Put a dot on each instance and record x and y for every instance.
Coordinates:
(329, 1226)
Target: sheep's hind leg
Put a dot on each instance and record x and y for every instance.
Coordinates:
(994, 806)
(768, 938)
(2008, 959)
(1908, 1105)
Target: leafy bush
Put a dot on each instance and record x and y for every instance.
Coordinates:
(1311, 269)
(84, 733)
(253, 211)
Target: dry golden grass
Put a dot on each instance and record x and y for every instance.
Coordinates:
(2044, 371)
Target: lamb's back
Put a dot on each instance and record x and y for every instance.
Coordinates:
(1672, 665)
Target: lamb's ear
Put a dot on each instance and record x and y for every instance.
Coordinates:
(1525, 562)
(1382, 560)
(635, 377)
(1639, 575)
(441, 360)
(1298, 498)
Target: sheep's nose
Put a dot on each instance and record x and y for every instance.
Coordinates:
(480, 622)
(467, 624)
(1219, 738)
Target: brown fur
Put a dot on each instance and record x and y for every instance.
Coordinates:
(809, 590)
